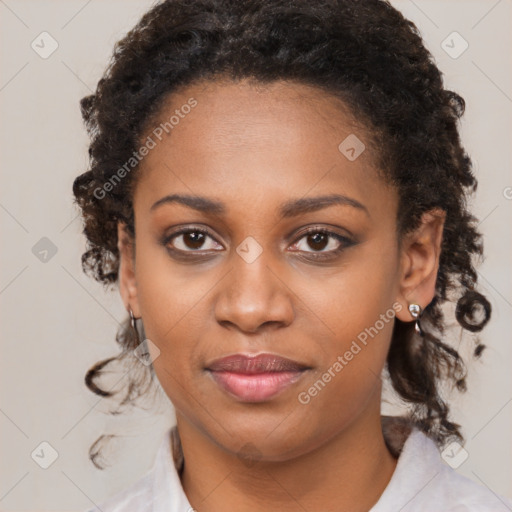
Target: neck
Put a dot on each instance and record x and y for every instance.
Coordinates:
(349, 472)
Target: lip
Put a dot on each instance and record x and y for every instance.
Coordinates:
(255, 378)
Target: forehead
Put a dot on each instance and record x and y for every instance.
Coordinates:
(244, 142)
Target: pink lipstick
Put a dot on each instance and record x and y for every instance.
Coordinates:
(255, 378)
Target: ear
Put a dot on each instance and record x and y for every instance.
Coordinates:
(419, 263)
(127, 282)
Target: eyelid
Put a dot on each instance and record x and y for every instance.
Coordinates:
(322, 229)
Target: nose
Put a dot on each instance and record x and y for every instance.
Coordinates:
(253, 297)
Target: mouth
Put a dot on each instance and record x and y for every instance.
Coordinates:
(255, 378)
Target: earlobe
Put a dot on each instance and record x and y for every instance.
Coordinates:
(420, 256)
(127, 282)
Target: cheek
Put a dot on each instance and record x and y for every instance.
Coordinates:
(352, 298)
(170, 301)
(356, 304)
(166, 291)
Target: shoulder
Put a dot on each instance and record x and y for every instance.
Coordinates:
(462, 494)
(423, 482)
(135, 497)
(158, 489)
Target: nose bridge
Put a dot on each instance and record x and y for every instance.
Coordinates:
(252, 294)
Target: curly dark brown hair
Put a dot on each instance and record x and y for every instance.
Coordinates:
(363, 52)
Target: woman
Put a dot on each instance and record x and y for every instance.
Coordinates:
(278, 188)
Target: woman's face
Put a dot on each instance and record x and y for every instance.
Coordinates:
(257, 167)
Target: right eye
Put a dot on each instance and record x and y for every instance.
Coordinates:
(191, 240)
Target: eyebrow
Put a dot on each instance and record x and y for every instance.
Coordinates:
(289, 209)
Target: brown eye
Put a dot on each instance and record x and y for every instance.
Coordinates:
(320, 241)
(192, 240)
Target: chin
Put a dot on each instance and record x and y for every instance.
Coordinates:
(266, 438)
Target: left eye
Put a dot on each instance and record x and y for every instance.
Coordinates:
(319, 241)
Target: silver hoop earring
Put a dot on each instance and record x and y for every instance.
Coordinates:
(133, 322)
(141, 351)
(415, 310)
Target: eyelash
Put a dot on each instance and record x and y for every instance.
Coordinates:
(318, 255)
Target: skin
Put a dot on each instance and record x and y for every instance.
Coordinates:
(254, 147)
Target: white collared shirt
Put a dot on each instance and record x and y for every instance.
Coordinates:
(421, 482)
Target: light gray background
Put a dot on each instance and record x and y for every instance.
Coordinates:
(56, 322)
